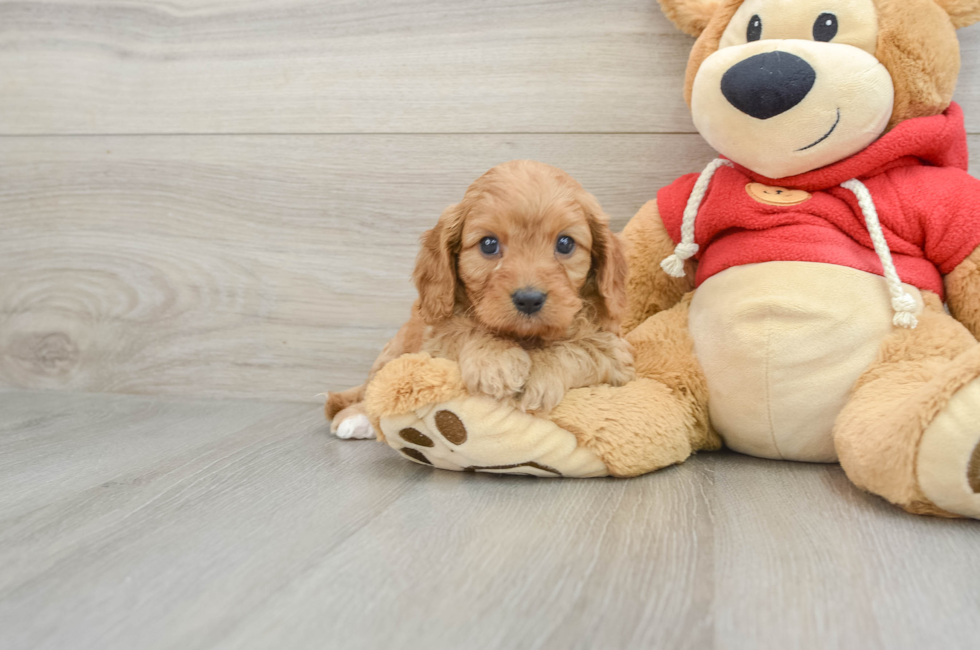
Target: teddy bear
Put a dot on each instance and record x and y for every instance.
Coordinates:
(812, 295)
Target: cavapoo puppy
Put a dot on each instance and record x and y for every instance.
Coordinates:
(523, 284)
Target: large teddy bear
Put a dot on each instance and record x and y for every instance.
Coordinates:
(822, 245)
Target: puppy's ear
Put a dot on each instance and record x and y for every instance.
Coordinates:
(690, 16)
(963, 13)
(435, 267)
(609, 265)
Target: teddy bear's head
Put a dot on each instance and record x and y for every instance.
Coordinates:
(784, 87)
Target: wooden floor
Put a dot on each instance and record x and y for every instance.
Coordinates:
(134, 522)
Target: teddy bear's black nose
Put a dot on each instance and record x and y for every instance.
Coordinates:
(769, 84)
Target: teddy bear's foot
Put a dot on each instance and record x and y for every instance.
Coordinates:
(912, 426)
(423, 411)
(478, 434)
(948, 464)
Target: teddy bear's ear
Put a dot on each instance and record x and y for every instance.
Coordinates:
(963, 13)
(692, 16)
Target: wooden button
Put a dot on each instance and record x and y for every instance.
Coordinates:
(776, 195)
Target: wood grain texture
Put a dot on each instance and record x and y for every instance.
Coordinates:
(830, 562)
(159, 529)
(337, 66)
(260, 266)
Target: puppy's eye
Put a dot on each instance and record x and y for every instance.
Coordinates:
(489, 246)
(565, 245)
(825, 29)
(755, 29)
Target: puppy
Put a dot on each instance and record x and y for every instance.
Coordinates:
(523, 284)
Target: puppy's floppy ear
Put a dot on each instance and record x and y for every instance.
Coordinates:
(435, 267)
(690, 16)
(963, 13)
(609, 265)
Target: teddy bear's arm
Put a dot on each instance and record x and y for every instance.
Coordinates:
(963, 292)
(650, 290)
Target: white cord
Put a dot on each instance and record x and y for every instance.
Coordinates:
(903, 303)
(674, 265)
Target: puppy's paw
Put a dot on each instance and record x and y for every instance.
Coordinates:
(542, 392)
(356, 427)
(500, 375)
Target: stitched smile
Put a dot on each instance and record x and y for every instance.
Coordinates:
(832, 129)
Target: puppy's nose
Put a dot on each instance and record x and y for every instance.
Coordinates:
(769, 84)
(528, 301)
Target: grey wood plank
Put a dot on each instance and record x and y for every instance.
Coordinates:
(264, 267)
(968, 87)
(806, 560)
(279, 536)
(268, 66)
(337, 66)
(476, 562)
(55, 444)
(84, 565)
(276, 535)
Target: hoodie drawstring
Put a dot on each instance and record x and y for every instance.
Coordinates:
(903, 303)
(674, 265)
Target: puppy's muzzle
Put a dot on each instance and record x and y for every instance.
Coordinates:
(528, 301)
(768, 84)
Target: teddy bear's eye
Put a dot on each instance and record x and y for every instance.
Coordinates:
(825, 29)
(755, 29)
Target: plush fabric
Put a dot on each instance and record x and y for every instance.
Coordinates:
(962, 289)
(649, 293)
(914, 377)
(917, 44)
(653, 422)
(708, 40)
(947, 466)
(962, 13)
(690, 16)
(813, 126)
(409, 383)
(783, 344)
(926, 201)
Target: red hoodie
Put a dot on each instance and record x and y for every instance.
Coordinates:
(928, 204)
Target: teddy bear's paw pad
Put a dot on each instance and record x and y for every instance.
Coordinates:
(451, 427)
(973, 472)
(478, 434)
(949, 455)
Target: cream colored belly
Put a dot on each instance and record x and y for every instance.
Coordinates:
(782, 344)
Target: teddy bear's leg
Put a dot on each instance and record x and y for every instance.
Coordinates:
(652, 422)
(911, 430)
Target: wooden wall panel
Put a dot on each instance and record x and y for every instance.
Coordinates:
(260, 266)
(337, 66)
(223, 197)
